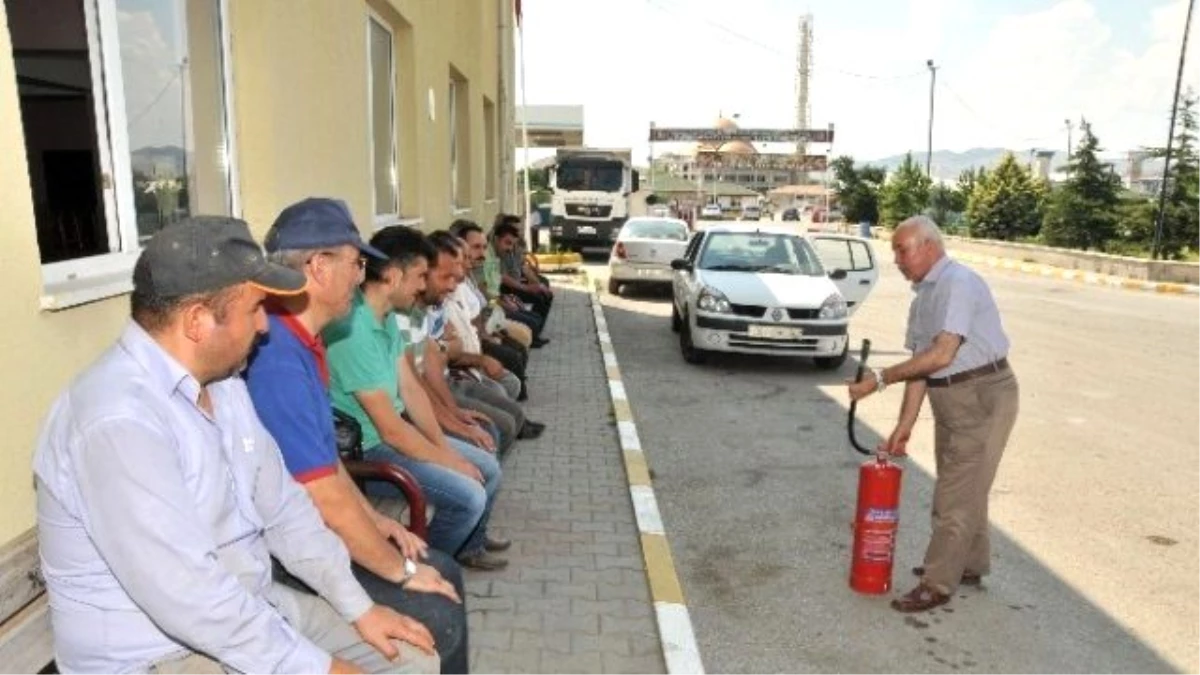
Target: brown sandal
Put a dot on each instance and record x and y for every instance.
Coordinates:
(919, 599)
(968, 578)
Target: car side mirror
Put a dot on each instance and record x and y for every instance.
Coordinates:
(837, 275)
(681, 264)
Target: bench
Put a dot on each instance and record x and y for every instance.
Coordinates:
(26, 642)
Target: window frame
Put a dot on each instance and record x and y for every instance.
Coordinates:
(393, 217)
(69, 283)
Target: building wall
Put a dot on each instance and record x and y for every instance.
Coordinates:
(299, 74)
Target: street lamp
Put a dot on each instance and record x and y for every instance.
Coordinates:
(932, 81)
(1167, 162)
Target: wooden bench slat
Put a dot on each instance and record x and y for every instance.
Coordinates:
(26, 642)
(20, 578)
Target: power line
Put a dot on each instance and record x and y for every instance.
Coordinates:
(987, 122)
(142, 113)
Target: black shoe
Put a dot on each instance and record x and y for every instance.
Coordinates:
(524, 394)
(531, 430)
(968, 578)
(538, 343)
(483, 561)
(497, 544)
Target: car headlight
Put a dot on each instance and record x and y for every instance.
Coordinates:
(712, 300)
(834, 307)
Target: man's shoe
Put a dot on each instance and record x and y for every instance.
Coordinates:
(482, 560)
(538, 343)
(531, 430)
(497, 544)
(919, 599)
(968, 578)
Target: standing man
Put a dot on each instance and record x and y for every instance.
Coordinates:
(288, 381)
(161, 498)
(960, 358)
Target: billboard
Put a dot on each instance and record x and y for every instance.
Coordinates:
(673, 134)
(789, 162)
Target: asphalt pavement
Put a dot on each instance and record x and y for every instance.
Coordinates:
(1094, 511)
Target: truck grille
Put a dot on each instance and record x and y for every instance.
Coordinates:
(589, 210)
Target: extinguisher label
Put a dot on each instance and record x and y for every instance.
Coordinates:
(874, 515)
(878, 546)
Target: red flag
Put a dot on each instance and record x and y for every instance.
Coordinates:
(517, 9)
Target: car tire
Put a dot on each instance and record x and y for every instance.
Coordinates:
(833, 362)
(687, 348)
(614, 287)
(676, 320)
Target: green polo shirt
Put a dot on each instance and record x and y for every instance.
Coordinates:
(364, 355)
(491, 273)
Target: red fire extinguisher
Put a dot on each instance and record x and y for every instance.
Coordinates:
(877, 516)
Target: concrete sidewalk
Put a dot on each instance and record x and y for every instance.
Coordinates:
(575, 596)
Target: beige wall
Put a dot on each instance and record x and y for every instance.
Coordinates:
(300, 86)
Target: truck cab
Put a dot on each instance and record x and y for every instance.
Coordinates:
(590, 202)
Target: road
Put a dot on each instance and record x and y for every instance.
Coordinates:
(1094, 511)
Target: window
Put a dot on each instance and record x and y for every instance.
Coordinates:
(760, 252)
(492, 168)
(844, 254)
(645, 228)
(458, 120)
(126, 126)
(381, 85)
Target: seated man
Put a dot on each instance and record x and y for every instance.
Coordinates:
(289, 385)
(372, 381)
(161, 498)
(516, 275)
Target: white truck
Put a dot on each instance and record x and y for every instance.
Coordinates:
(591, 192)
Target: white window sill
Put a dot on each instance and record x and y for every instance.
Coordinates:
(415, 222)
(460, 210)
(77, 292)
(489, 200)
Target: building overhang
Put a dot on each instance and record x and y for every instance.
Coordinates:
(550, 126)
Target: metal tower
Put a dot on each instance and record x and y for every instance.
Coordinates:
(803, 72)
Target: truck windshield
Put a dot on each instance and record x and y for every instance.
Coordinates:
(591, 176)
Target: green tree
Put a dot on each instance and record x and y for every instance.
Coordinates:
(946, 205)
(906, 193)
(1083, 212)
(857, 189)
(1180, 217)
(1004, 203)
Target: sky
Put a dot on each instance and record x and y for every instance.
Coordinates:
(1009, 72)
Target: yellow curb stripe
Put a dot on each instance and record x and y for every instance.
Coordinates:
(614, 373)
(622, 411)
(660, 568)
(635, 467)
(1078, 276)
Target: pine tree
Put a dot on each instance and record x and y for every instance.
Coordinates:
(906, 193)
(1004, 203)
(1181, 218)
(1083, 212)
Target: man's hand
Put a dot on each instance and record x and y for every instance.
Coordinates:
(480, 438)
(896, 445)
(491, 367)
(469, 416)
(863, 389)
(339, 667)
(429, 580)
(380, 625)
(412, 546)
(457, 463)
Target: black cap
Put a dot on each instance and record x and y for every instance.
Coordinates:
(317, 222)
(202, 254)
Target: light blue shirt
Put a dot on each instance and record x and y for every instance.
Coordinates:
(954, 298)
(156, 523)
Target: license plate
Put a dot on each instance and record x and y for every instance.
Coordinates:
(586, 229)
(775, 332)
(656, 273)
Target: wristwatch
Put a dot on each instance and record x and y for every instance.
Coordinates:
(880, 385)
(410, 571)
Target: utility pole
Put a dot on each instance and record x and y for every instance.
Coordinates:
(932, 83)
(1070, 148)
(1162, 191)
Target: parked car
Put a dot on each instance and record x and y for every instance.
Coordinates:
(711, 211)
(644, 250)
(763, 289)
(791, 214)
(751, 213)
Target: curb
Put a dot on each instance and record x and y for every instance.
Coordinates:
(680, 651)
(1081, 276)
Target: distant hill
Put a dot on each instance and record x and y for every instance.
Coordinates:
(947, 164)
(165, 160)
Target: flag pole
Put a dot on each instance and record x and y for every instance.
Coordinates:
(525, 133)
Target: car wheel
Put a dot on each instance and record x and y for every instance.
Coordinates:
(614, 287)
(676, 320)
(687, 348)
(833, 362)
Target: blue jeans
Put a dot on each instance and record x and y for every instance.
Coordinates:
(461, 505)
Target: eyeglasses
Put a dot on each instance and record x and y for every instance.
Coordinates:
(360, 262)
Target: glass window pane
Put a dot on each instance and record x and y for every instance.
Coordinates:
(383, 121)
(175, 113)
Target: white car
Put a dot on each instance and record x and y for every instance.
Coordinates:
(644, 251)
(711, 211)
(763, 289)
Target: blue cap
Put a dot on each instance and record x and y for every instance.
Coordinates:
(316, 222)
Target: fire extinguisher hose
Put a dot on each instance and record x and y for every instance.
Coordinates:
(862, 367)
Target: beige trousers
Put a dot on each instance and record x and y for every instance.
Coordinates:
(972, 424)
(316, 619)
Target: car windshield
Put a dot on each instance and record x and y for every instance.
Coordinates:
(768, 253)
(671, 230)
